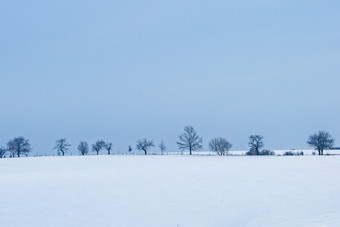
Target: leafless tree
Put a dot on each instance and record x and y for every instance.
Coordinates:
(162, 147)
(255, 144)
(19, 146)
(62, 146)
(220, 145)
(144, 145)
(108, 147)
(2, 151)
(189, 140)
(321, 141)
(83, 148)
(98, 146)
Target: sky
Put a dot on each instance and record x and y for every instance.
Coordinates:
(124, 70)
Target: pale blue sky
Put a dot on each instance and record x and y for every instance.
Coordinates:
(123, 70)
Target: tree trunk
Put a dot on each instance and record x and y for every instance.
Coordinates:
(190, 151)
(97, 152)
(145, 152)
(108, 152)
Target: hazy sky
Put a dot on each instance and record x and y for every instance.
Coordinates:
(123, 70)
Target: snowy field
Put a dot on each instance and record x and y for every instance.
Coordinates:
(176, 191)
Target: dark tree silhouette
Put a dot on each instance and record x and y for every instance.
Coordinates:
(321, 141)
(189, 140)
(162, 147)
(144, 145)
(19, 146)
(62, 146)
(83, 148)
(108, 147)
(220, 145)
(255, 144)
(2, 151)
(98, 146)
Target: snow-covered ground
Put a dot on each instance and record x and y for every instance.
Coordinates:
(161, 191)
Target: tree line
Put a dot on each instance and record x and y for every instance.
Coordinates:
(188, 140)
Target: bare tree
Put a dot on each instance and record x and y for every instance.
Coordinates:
(98, 146)
(189, 140)
(19, 146)
(2, 151)
(162, 147)
(321, 141)
(108, 147)
(61, 146)
(144, 145)
(255, 144)
(83, 148)
(220, 145)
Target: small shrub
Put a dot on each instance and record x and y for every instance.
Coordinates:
(250, 153)
(267, 152)
(289, 153)
(263, 152)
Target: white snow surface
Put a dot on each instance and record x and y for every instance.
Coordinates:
(176, 191)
